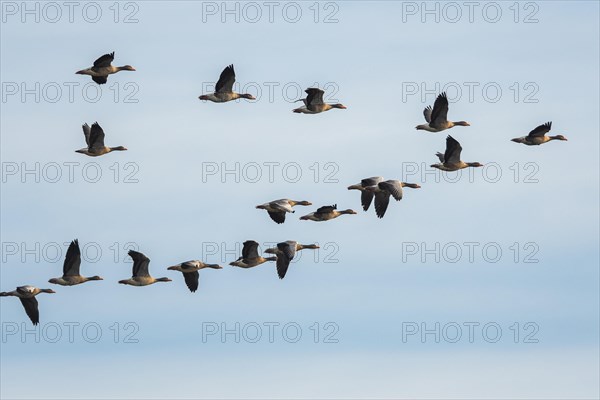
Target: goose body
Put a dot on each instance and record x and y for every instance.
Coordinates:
(314, 104)
(285, 252)
(140, 274)
(250, 257)
(27, 295)
(224, 88)
(366, 196)
(71, 275)
(383, 190)
(450, 160)
(102, 68)
(437, 118)
(190, 272)
(326, 213)
(94, 138)
(538, 136)
(278, 208)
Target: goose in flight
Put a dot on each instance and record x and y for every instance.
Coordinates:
(224, 88)
(278, 208)
(140, 275)
(71, 266)
(383, 191)
(437, 118)
(27, 296)
(94, 138)
(326, 213)
(285, 252)
(102, 68)
(538, 136)
(250, 257)
(190, 272)
(314, 104)
(366, 196)
(450, 160)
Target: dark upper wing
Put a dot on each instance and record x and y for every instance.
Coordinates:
(140, 263)
(541, 130)
(278, 217)
(105, 60)
(427, 113)
(284, 257)
(86, 133)
(371, 181)
(282, 264)
(100, 79)
(226, 80)
(453, 149)
(288, 248)
(96, 137)
(250, 249)
(72, 259)
(439, 114)
(382, 199)
(31, 308)
(393, 187)
(326, 209)
(440, 156)
(365, 199)
(315, 96)
(191, 280)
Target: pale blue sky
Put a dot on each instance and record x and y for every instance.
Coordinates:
(370, 55)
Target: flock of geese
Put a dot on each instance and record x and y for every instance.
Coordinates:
(377, 188)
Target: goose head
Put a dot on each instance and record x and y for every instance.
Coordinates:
(95, 278)
(558, 137)
(303, 203)
(348, 211)
(461, 123)
(47, 291)
(338, 105)
(118, 148)
(126, 68)
(411, 185)
(475, 164)
(246, 96)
